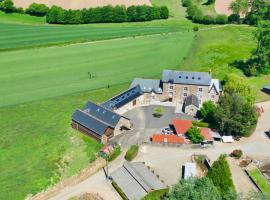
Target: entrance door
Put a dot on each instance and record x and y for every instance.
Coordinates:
(134, 102)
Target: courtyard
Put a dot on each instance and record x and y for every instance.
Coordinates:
(145, 124)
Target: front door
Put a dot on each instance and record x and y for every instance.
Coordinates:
(134, 102)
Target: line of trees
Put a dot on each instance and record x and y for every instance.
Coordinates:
(106, 14)
(197, 16)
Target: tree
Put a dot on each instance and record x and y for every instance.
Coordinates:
(221, 177)
(39, 10)
(195, 135)
(7, 6)
(237, 84)
(234, 18)
(194, 189)
(222, 19)
(235, 116)
(240, 6)
(186, 3)
(207, 113)
(164, 12)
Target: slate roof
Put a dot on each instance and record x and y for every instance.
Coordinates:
(147, 85)
(186, 77)
(136, 180)
(123, 98)
(192, 100)
(216, 83)
(89, 122)
(101, 113)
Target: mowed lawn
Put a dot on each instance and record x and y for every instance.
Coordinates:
(214, 49)
(18, 36)
(34, 74)
(38, 146)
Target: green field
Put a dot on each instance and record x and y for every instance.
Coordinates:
(20, 18)
(206, 9)
(18, 36)
(49, 72)
(262, 182)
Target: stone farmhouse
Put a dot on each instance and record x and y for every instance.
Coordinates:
(180, 88)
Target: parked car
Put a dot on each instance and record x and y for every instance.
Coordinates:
(167, 130)
(268, 133)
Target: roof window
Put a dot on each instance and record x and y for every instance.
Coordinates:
(199, 78)
(186, 77)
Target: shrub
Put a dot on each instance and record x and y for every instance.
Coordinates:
(159, 112)
(186, 3)
(221, 19)
(207, 19)
(39, 10)
(200, 124)
(237, 153)
(116, 152)
(119, 190)
(195, 28)
(234, 18)
(193, 11)
(195, 135)
(132, 152)
(7, 6)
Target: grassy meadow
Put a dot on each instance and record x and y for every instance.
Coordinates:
(55, 71)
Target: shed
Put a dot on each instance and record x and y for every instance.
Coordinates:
(227, 139)
(189, 170)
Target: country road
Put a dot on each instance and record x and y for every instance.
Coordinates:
(165, 160)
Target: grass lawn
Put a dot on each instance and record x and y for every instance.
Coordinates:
(38, 146)
(54, 71)
(260, 180)
(214, 49)
(20, 18)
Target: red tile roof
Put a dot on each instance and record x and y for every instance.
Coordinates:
(162, 138)
(181, 126)
(206, 134)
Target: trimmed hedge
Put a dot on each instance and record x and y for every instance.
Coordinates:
(156, 195)
(200, 124)
(119, 190)
(132, 152)
(106, 14)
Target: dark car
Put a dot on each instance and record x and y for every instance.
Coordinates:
(268, 133)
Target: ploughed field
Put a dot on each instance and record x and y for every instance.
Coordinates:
(54, 71)
(18, 36)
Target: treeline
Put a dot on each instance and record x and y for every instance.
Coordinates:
(197, 16)
(106, 14)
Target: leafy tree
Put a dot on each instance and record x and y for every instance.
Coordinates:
(209, 2)
(234, 18)
(7, 6)
(235, 116)
(186, 3)
(195, 135)
(207, 113)
(164, 12)
(194, 189)
(221, 177)
(193, 11)
(237, 84)
(39, 10)
(240, 6)
(221, 19)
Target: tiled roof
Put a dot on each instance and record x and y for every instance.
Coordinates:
(181, 126)
(123, 98)
(186, 77)
(192, 100)
(206, 134)
(101, 113)
(147, 85)
(162, 138)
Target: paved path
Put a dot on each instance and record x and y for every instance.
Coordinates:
(167, 161)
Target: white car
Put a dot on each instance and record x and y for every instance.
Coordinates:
(167, 130)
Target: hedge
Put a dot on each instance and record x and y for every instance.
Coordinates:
(106, 14)
(200, 124)
(119, 190)
(156, 195)
(132, 152)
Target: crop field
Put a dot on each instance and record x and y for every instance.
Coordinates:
(18, 36)
(49, 72)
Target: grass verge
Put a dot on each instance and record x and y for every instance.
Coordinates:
(262, 182)
(132, 152)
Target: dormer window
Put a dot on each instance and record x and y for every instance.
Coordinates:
(193, 77)
(186, 77)
(199, 78)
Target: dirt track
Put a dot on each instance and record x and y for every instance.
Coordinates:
(222, 7)
(79, 4)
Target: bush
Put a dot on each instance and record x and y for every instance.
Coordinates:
(237, 153)
(119, 190)
(159, 112)
(186, 3)
(39, 10)
(222, 19)
(195, 28)
(234, 18)
(200, 124)
(132, 152)
(7, 6)
(195, 135)
(116, 152)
